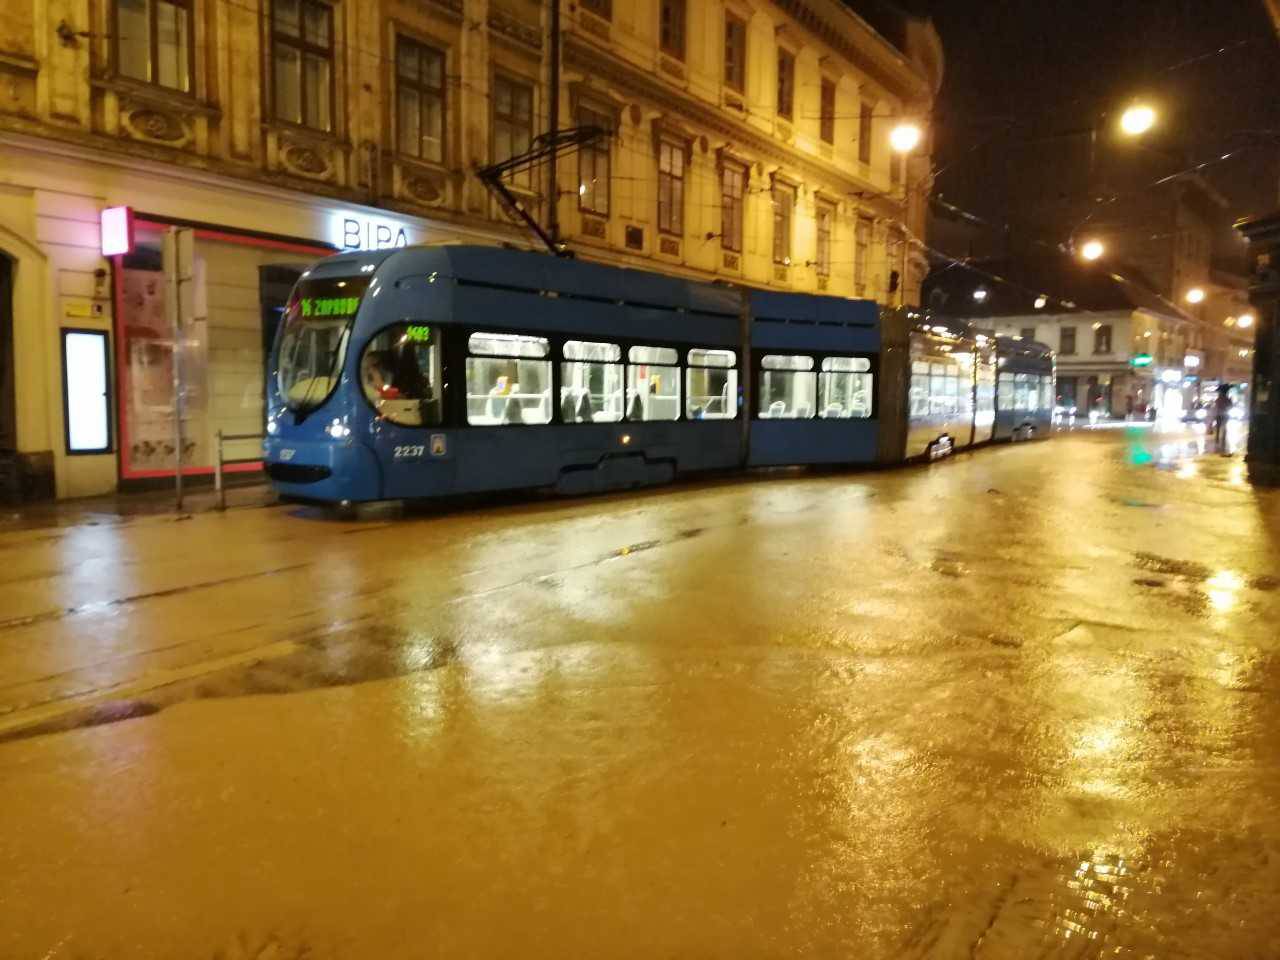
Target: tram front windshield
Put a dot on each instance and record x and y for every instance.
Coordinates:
(313, 338)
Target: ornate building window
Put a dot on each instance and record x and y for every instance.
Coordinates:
(671, 27)
(735, 53)
(733, 187)
(154, 43)
(302, 62)
(784, 206)
(827, 120)
(861, 253)
(826, 216)
(593, 163)
(864, 132)
(420, 102)
(671, 186)
(786, 83)
(512, 124)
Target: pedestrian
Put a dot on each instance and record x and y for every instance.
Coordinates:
(1221, 417)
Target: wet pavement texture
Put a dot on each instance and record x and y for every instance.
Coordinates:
(1020, 704)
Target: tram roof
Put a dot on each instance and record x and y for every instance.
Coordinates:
(512, 269)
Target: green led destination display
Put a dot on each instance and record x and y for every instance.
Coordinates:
(328, 306)
(417, 333)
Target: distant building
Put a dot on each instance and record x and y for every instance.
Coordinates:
(1122, 349)
(747, 141)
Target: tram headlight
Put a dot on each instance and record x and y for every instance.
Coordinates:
(337, 429)
(271, 426)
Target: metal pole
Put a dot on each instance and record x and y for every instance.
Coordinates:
(217, 471)
(553, 121)
(175, 307)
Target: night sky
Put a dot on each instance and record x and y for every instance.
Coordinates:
(1031, 68)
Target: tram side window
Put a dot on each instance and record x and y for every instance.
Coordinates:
(591, 382)
(918, 396)
(788, 387)
(400, 375)
(1024, 398)
(845, 388)
(711, 385)
(1006, 391)
(1046, 394)
(653, 383)
(508, 381)
(953, 389)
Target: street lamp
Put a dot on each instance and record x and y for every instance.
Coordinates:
(1244, 321)
(1092, 250)
(1195, 295)
(905, 137)
(1137, 120)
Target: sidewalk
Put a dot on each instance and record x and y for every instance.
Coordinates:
(124, 506)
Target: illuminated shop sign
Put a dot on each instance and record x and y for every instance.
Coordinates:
(1142, 360)
(329, 306)
(117, 231)
(353, 231)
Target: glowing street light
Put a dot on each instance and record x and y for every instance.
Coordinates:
(1195, 295)
(1137, 120)
(905, 137)
(1041, 301)
(1093, 250)
(980, 294)
(1244, 321)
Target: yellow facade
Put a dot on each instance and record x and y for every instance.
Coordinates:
(177, 108)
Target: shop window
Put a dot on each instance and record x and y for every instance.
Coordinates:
(671, 187)
(591, 383)
(733, 181)
(846, 388)
(508, 381)
(653, 384)
(512, 125)
(826, 216)
(784, 205)
(735, 53)
(420, 100)
(711, 385)
(788, 387)
(827, 120)
(85, 392)
(302, 62)
(865, 114)
(400, 375)
(786, 84)
(671, 27)
(154, 42)
(593, 163)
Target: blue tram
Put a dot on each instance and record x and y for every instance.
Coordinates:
(445, 369)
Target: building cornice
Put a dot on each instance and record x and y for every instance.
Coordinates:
(595, 62)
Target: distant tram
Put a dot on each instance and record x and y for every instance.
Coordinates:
(448, 369)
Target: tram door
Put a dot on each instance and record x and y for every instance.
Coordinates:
(275, 283)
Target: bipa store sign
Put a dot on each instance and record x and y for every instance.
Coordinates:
(352, 231)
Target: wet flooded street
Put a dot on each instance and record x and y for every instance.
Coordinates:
(1021, 704)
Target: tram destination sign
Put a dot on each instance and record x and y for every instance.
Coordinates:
(328, 306)
(1142, 360)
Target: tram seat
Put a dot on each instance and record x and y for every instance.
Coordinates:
(566, 406)
(511, 411)
(777, 409)
(582, 412)
(802, 411)
(833, 412)
(635, 407)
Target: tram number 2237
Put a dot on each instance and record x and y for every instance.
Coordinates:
(415, 451)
